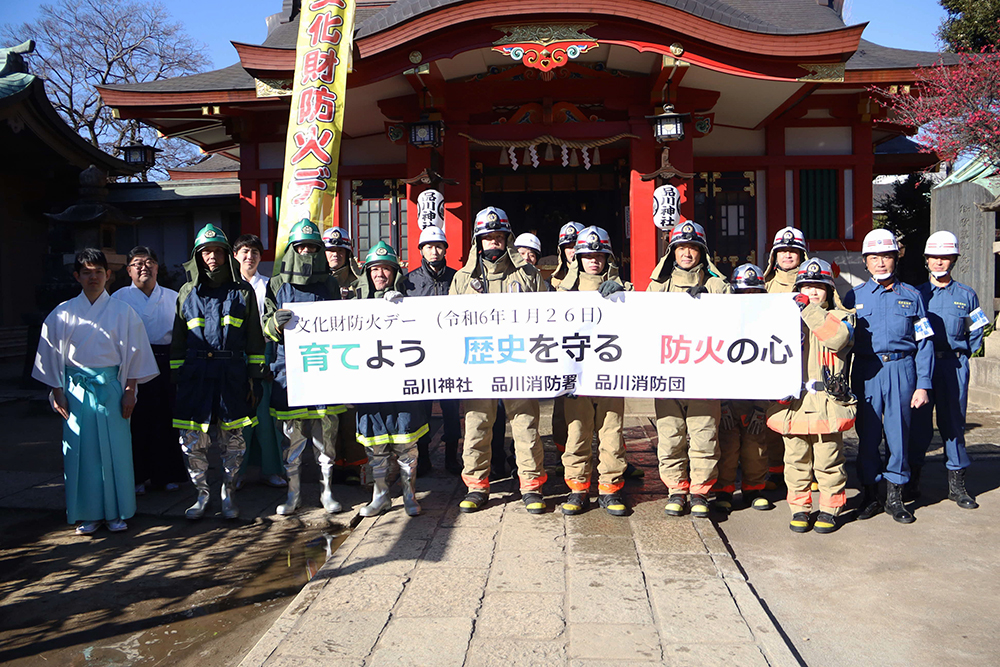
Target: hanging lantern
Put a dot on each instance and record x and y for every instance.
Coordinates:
(668, 126)
(426, 133)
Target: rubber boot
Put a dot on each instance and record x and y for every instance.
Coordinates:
(409, 491)
(381, 502)
(451, 462)
(197, 510)
(330, 503)
(870, 504)
(894, 503)
(911, 491)
(194, 444)
(424, 466)
(957, 492)
(294, 496)
(229, 508)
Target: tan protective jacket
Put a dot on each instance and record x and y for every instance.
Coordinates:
(581, 281)
(669, 278)
(508, 274)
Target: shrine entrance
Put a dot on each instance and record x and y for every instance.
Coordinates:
(726, 204)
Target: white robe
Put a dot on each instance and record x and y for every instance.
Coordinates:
(105, 333)
(156, 310)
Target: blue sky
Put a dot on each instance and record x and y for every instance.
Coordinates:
(905, 24)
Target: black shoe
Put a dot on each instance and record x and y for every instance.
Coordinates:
(757, 501)
(473, 501)
(957, 492)
(613, 504)
(424, 466)
(533, 502)
(631, 472)
(576, 503)
(699, 506)
(799, 522)
(676, 505)
(894, 503)
(911, 490)
(870, 504)
(825, 523)
(723, 502)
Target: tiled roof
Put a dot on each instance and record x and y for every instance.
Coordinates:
(211, 163)
(875, 56)
(233, 77)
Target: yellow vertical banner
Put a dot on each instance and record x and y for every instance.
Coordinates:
(316, 120)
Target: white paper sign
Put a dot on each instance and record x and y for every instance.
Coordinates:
(636, 344)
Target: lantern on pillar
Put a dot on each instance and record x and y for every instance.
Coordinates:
(430, 209)
(666, 207)
(669, 125)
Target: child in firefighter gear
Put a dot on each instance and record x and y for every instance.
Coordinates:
(567, 247)
(788, 251)
(687, 468)
(812, 424)
(389, 429)
(217, 355)
(494, 267)
(958, 321)
(304, 277)
(594, 270)
(344, 267)
(891, 375)
(433, 278)
(741, 428)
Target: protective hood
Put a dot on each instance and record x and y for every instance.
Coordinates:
(304, 269)
(772, 267)
(571, 281)
(352, 266)
(665, 268)
(366, 290)
(474, 263)
(197, 272)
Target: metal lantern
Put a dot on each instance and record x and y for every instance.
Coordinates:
(669, 125)
(426, 133)
(139, 154)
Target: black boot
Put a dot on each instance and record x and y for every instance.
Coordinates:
(451, 461)
(870, 504)
(423, 458)
(957, 492)
(912, 489)
(894, 503)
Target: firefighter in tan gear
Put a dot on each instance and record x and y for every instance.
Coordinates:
(687, 468)
(813, 423)
(567, 247)
(495, 267)
(594, 270)
(742, 429)
(788, 251)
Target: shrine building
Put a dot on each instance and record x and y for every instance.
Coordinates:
(543, 108)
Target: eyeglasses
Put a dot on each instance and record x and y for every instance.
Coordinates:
(149, 263)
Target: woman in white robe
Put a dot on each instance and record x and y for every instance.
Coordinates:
(93, 352)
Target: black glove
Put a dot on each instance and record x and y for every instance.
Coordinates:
(801, 300)
(726, 422)
(754, 422)
(609, 287)
(696, 290)
(282, 317)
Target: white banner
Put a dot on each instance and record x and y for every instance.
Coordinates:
(636, 344)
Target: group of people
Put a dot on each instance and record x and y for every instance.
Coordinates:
(211, 364)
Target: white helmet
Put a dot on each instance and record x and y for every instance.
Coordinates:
(789, 237)
(878, 241)
(527, 240)
(492, 219)
(941, 244)
(748, 277)
(593, 239)
(432, 234)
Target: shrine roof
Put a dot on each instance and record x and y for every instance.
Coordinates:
(212, 163)
(233, 77)
(875, 56)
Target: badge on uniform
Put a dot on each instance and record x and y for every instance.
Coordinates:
(979, 319)
(922, 329)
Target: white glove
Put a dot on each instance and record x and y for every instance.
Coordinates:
(393, 296)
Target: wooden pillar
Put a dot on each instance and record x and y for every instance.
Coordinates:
(417, 159)
(457, 198)
(643, 154)
(249, 195)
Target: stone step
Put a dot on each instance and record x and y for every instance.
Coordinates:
(984, 382)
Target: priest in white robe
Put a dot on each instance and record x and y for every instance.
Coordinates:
(93, 353)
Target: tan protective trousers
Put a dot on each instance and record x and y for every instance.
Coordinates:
(822, 456)
(775, 451)
(739, 449)
(523, 416)
(583, 415)
(687, 467)
(559, 428)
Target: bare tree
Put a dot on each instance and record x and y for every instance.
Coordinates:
(82, 44)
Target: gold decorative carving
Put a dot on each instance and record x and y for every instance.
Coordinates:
(544, 33)
(273, 87)
(831, 72)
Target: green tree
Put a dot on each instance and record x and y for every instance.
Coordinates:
(971, 25)
(908, 216)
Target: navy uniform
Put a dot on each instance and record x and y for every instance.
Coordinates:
(958, 321)
(303, 278)
(217, 350)
(893, 357)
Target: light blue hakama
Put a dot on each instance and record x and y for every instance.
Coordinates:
(97, 447)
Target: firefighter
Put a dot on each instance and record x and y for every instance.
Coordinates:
(389, 430)
(788, 251)
(812, 423)
(594, 270)
(217, 356)
(433, 278)
(958, 321)
(340, 256)
(304, 277)
(567, 247)
(687, 469)
(893, 367)
(494, 267)
(741, 428)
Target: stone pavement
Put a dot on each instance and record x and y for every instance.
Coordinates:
(503, 587)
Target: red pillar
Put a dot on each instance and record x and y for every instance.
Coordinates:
(417, 159)
(863, 175)
(643, 153)
(457, 198)
(775, 141)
